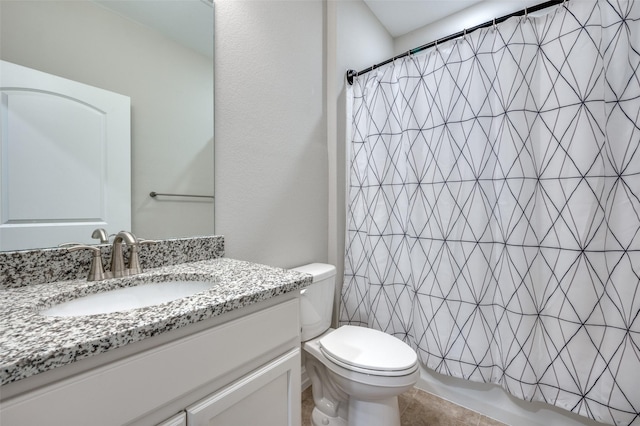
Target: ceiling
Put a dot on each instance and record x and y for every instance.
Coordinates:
(400, 17)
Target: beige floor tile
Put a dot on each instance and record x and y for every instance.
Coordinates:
(444, 412)
(488, 421)
(419, 408)
(406, 399)
(307, 406)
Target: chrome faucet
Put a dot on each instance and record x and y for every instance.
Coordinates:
(100, 234)
(117, 259)
(118, 269)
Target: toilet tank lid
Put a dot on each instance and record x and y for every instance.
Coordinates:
(319, 271)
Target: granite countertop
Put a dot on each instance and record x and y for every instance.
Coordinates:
(32, 343)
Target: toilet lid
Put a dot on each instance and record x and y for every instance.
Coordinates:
(368, 349)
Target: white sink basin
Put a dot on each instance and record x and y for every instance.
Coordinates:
(123, 299)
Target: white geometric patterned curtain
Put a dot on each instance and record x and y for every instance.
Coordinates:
(494, 207)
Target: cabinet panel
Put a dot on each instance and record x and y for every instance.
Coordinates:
(270, 396)
(179, 419)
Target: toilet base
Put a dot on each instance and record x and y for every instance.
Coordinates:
(318, 418)
(378, 412)
(383, 412)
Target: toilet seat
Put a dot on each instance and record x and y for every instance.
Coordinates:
(368, 351)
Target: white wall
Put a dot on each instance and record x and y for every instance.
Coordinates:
(477, 14)
(271, 149)
(171, 90)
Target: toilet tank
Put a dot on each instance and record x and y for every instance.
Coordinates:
(316, 300)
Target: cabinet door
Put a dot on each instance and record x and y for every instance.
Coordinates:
(269, 396)
(179, 419)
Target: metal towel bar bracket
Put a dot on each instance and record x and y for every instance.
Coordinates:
(154, 194)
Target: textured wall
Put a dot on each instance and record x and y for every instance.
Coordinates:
(271, 151)
(477, 14)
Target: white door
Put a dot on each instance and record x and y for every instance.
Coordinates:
(65, 161)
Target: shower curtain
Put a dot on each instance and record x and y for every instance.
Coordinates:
(493, 207)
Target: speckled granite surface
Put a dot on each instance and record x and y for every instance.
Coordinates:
(31, 343)
(28, 267)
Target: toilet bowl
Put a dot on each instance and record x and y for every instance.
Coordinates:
(356, 372)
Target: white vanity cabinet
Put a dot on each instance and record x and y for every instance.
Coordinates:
(243, 370)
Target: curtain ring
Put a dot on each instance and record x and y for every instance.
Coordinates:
(464, 34)
(526, 14)
(495, 27)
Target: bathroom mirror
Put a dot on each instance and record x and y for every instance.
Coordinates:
(160, 54)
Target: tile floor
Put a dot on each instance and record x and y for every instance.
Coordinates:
(419, 408)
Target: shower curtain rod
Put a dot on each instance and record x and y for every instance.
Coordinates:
(352, 73)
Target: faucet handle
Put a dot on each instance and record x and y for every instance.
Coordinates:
(143, 241)
(96, 272)
(70, 244)
(134, 259)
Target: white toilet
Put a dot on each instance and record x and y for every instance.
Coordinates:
(356, 373)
